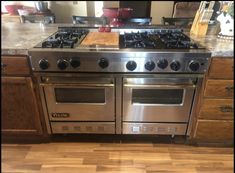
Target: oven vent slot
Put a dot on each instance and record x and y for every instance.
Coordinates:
(161, 129)
(65, 128)
(83, 127)
(77, 128)
(155, 128)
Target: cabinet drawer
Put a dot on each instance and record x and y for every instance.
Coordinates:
(214, 130)
(221, 68)
(15, 65)
(219, 88)
(217, 109)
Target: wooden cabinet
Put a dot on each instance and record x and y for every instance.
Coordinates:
(219, 88)
(215, 109)
(215, 130)
(19, 109)
(20, 112)
(15, 65)
(221, 68)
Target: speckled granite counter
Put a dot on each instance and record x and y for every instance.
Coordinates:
(218, 47)
(18, 38)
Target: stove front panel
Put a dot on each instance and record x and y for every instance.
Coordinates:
(127, 62)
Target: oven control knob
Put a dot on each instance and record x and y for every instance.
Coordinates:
(194, 65)
(150, 65)
(103, 63)
(162, 63)
(43, 64)
(175, 65)
(62, 64)
(74, 62)
(131, 65)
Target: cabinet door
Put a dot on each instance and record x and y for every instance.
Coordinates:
(214, 130)
(19, 108)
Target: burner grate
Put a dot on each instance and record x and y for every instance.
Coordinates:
(157, 40)
(64, 39)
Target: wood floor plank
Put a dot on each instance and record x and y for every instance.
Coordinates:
(83, 157)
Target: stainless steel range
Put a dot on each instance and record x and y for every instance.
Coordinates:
(149, 85)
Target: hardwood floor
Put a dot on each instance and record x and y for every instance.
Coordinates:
(82, 157)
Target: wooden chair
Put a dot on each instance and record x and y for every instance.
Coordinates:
(138, 21)
(89, 20)
(184, 22)
(185, 9)
(38, 19)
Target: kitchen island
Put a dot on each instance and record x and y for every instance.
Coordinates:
(17, 38)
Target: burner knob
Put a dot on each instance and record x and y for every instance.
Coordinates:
(194, 66)
(175, 65)
(162, 63)
(43, 64)
(150, 65)
(62, 64)
(74, 62)
(103, 63)
(131, 65)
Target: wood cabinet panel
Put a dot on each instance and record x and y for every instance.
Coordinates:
(219, 88)
(221, 68)
(214, 130)
(19, 109)
(217, 109)
(15, 65)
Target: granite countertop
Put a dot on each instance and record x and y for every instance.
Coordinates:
(217, 46)
(17, 38)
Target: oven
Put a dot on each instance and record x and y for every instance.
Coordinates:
(79, 104)
(160, 105)
(141, 88)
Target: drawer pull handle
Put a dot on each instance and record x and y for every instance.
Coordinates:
(229, 88)
(226, 109)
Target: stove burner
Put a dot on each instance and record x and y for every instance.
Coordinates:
(138, 40)
(158, 40)
(64, 39)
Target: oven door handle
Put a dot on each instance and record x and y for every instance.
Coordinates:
(159, 86)
(77, 85)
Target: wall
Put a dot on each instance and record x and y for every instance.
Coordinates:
(64, 10)
(111, 4)
(161, 9)
(90, 8)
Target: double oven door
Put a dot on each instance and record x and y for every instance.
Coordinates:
(76, 103)
(157, 100)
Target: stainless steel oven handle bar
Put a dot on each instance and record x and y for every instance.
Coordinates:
(77, 85)
(159, 86)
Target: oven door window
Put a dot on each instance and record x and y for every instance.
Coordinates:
(157, 96)
(80, 95)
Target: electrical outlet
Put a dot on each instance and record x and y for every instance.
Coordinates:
(75, 2)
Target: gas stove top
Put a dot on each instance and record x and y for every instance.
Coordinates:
(64, 39)
(159, 39)
(140, 51)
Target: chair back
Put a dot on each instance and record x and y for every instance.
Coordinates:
(185, 9)
(38, 19)
(89, 20)
(184, 22)
(138, 21)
